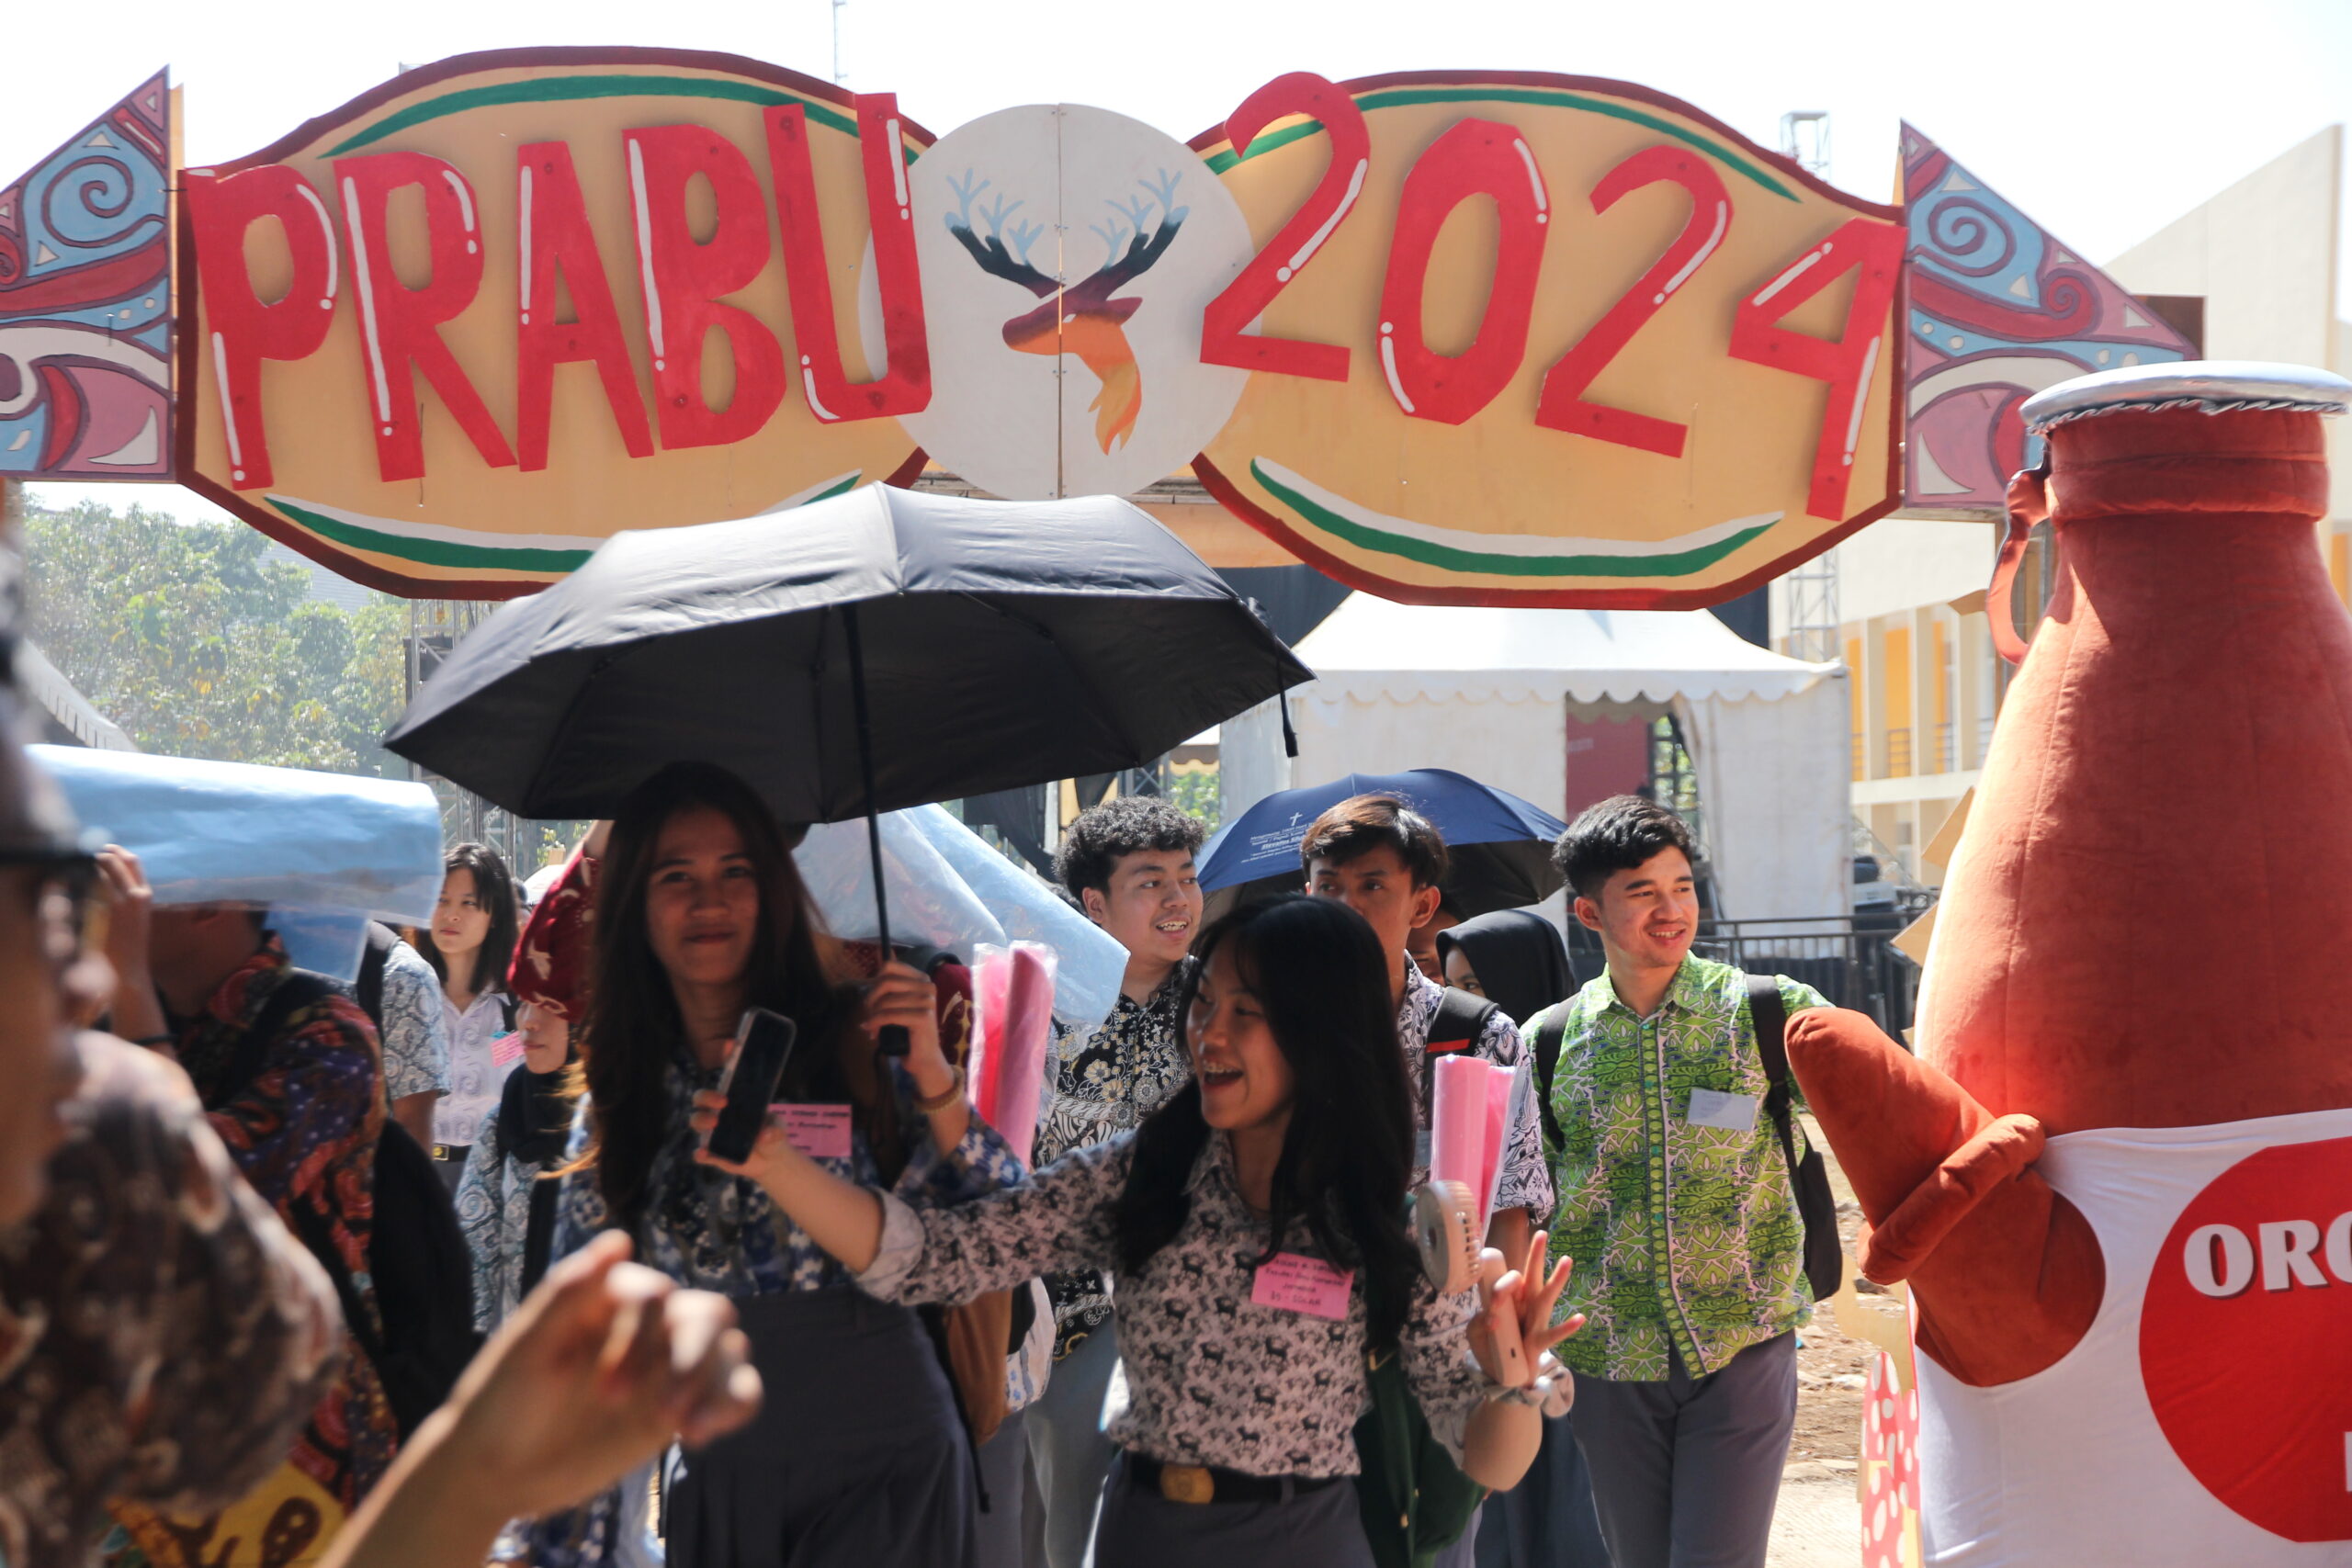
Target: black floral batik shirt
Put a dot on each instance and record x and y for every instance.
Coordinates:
(1217, 1372)
(1105, 1083)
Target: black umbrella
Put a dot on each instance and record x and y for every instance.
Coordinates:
(881, 649)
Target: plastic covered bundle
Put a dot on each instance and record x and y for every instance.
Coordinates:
(324, 853)
(948, 888)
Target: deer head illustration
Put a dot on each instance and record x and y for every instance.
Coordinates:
(1083, 318)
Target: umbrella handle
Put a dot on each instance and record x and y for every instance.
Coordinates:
(894, 1039)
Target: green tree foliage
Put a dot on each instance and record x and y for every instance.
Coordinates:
(199, 645)
(1197, 793)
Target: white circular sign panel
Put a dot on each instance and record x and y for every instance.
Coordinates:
(1067, 253)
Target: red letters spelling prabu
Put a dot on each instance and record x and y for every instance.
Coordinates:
(683, 284)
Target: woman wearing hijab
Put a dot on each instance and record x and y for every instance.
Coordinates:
(1515, 959)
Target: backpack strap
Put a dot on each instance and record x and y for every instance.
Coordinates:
(1550, 1035)
(1771, 1020)
(300, 989)
(368, 986)
(1460, 1024)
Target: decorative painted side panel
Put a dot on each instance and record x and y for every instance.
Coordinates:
(1998, 309)
(85, 302)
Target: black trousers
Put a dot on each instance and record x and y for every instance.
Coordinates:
(857, 1458)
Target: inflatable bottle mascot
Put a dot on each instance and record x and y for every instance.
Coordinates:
(2119, 1174)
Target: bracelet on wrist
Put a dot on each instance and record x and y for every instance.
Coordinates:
(931, 1104)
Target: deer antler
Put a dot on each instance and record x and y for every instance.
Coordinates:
(1164, 187)
(996, 257)
(1141, 253)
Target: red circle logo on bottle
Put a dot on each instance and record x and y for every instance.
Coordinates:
(2246, 1342)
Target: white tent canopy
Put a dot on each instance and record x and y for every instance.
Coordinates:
(1487, 693)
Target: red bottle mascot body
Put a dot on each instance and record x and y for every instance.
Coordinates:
(2119, 1177)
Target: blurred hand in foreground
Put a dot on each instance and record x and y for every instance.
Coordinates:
(602, 1366)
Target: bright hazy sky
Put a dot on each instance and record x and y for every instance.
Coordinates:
(2103, 118)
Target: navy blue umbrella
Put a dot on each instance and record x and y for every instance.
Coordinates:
(1501, 845)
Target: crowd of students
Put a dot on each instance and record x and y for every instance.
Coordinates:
(881, 1338)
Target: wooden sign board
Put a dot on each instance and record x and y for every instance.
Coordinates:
(1482, 338)
(499, 309)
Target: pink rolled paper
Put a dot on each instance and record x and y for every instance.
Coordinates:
(1015, 992)
(1458, 1123)
(1499, 1086)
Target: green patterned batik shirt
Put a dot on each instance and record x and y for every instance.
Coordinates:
(1683, 1235)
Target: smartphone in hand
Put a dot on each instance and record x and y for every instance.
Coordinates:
(763, 1046)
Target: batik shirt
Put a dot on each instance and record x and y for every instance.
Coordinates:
(710, 1231)
(1526, 1177)
(162, 1337)
(1213, 1377)
(304, 1134)
(1122, 1072)
(416, 1034)
(1683, 1236)
(494, 1204)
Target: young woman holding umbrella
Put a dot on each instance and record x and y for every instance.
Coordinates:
(859, 1455)
(1256, 1227)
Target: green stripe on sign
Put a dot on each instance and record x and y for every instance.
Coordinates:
(1448, 557)
(560, 89)
(843, 488)
(434, 552)
(1549, 96)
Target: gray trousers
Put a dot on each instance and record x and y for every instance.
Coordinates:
(1685, 1472)
(999, 1528)
(1066, 1445)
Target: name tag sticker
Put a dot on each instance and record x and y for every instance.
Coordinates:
(1308, 1285)
(1713, 1108)
(821, 1132)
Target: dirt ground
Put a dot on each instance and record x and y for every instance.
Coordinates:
(1818, 1521)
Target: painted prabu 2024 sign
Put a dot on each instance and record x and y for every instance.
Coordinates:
(1475, 338)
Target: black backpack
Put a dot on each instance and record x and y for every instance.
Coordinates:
(1459, 1024)
(417, 1258)
(1824, 1260)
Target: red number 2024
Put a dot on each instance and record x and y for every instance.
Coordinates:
(1469, 160)
(1563, 405)
(1244, 299)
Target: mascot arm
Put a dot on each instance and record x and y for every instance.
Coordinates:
(2006, 1272)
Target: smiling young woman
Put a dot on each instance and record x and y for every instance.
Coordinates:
(1256, 1227)
(859, 1455)
(469, 941)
